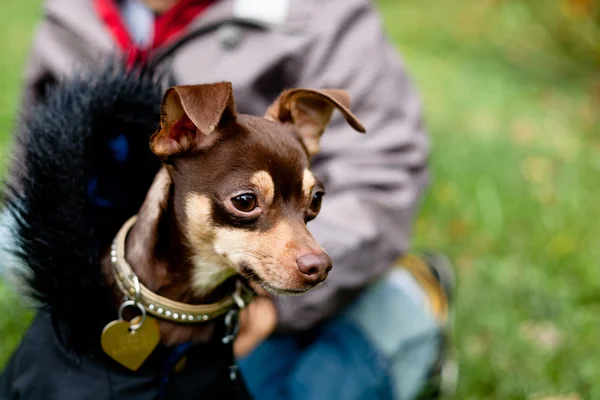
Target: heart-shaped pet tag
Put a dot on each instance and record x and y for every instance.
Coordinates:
(130, 348)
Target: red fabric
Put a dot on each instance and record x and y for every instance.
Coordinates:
(168, 26)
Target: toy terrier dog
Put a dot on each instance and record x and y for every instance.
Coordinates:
(234, 194)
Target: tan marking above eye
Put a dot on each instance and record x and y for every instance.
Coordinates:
(264, 183)
(308, 183)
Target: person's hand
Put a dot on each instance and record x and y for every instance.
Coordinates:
(257, 321)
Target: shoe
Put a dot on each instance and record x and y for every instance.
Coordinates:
(435, 274)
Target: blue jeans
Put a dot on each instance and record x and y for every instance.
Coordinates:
(381, 347)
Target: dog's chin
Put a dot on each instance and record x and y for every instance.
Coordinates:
(258, 284)
(287, 291)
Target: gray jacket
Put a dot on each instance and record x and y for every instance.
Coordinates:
(373, 181)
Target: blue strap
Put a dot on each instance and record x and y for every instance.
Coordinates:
(176, 354)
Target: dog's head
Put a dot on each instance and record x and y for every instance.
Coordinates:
(241, 186)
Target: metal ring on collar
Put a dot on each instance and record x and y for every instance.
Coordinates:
(132, 303)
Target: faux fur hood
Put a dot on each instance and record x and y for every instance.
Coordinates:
(87, 168)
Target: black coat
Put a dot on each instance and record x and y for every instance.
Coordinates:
(43, 368)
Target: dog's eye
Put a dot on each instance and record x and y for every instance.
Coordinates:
(244, 202)
(315, 203)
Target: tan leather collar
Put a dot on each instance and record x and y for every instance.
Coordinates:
(159, 306)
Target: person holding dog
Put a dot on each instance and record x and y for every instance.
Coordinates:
(376, 329)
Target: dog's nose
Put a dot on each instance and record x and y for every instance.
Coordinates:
(314, 267)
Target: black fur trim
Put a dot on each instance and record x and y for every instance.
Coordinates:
(87, 168)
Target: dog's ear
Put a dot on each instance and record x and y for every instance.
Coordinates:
(310, 111)
(189, 117)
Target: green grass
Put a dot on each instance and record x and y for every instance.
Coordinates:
(17, 21)
(514, 194)
(515, 171)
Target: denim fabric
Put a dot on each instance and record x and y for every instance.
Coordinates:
(338, 364)
(402, 330)
(381, 347)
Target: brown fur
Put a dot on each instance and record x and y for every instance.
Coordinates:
(189, 238)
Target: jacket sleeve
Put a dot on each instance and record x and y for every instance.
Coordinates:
(373, 181)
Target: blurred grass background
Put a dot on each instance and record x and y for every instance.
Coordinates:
(511, 92)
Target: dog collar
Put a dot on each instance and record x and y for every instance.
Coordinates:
(159, 306)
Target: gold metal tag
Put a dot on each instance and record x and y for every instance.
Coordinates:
(130, 348)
